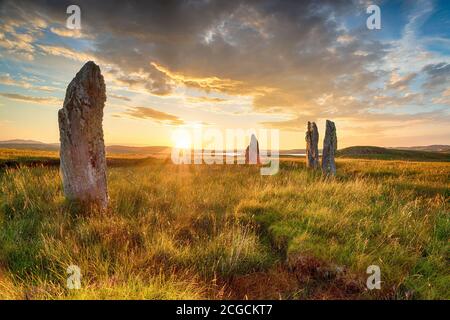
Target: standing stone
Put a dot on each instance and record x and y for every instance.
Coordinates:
(312, 151)
(82, 152)
(329, 149)
(252, 151)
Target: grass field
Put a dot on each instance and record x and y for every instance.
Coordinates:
(202, 231)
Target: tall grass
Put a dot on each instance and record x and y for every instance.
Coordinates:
(175, 232)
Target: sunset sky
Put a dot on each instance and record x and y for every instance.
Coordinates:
(233, 64)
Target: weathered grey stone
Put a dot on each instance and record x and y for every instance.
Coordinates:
(312, 151)
(329, 149)
(82, 152)
(252, 151)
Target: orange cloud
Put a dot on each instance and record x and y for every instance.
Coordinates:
(31, 99)
(235, 87)
(205, 99)
(150, 113)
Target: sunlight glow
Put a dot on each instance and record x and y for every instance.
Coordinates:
(181, 139)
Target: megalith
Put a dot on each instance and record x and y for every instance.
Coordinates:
(312, 151)
(329, 149)
(82, 152)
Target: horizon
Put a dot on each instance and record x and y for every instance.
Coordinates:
(226, 150)
(243, 65)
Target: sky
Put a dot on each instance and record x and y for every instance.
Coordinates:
(233, 65)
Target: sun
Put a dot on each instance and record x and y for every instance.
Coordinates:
(181, 139)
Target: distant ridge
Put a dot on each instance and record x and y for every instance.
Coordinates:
(28, 145)
(431, 148)
(115, 149)
(21, 141)
(293, 151)
(370, 152)
(424, 153)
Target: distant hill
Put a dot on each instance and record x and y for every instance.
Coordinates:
(432, 148)
(420, 153)
(293, 151)
(114, 149)
(21, 141)
(29, 145)
(370, 152)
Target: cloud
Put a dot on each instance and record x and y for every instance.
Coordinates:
(392, 101)
(204, 83)
(438, 75)
(20, 28)
(68, 33)
(300, 58)
(205, 99)
(67, 53)
(31, 99)
(345, 38)
(6, 79)
(237, 47)
(18, 44)
(296, 124)
(150, 113)
(401, 83)
(150, 80)
(444, 98)
(119, 97)
(384, 117)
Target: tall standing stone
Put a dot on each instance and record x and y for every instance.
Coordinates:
(312, 151)
(252, 151)
(82, 152)
(329, 149)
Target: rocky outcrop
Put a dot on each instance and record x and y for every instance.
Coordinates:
(252, 151)
(312, 151)
(329, 149)
(83, 162)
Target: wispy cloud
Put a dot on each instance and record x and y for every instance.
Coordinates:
(150, 113)
(296, 124)
(401, 83)
(118, 97)
(205, 99)
(6, 79)
(438, 75)
(68, 33)
(31, 99)
(66, 52)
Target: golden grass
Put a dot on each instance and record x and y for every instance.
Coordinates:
(175, 232)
